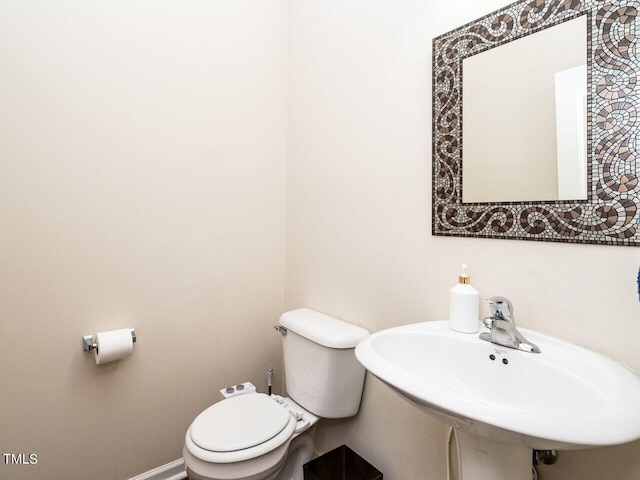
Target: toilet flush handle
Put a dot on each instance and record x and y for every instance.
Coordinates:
(282, 330)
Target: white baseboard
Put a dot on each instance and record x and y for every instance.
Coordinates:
(171, 471)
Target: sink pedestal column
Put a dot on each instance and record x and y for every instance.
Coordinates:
(483, 459)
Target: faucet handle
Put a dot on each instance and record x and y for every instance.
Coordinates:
(501, 307)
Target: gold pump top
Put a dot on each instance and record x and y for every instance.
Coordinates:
(464, 276)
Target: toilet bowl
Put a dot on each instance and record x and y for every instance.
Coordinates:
(249, 437)
(259, 437)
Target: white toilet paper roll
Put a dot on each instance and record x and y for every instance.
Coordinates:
(113, 345)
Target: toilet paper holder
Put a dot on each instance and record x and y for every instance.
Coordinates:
(89, 341)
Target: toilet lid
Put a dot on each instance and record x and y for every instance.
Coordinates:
(239, 423)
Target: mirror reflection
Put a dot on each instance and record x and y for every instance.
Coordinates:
(525, 118)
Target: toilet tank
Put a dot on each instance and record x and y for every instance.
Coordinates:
(321, 371)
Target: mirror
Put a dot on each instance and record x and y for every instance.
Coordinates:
(575, 180)
(526, 76)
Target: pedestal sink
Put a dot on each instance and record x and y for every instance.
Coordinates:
(503, 402)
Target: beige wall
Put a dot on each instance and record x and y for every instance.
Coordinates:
(142, 150)
(358, 225)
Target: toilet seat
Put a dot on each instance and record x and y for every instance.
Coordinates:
(239, 428)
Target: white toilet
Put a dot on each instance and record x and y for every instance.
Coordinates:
(257, 437)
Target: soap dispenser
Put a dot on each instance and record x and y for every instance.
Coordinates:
(464, 306)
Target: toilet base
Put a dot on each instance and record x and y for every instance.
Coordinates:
(283, 463)
(300, 452)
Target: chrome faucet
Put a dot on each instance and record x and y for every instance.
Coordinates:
(502, 327)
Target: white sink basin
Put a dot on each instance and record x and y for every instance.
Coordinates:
(562, 398)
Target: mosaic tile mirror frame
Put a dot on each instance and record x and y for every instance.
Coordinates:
(609, 215)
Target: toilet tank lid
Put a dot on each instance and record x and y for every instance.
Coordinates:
(323, 329)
